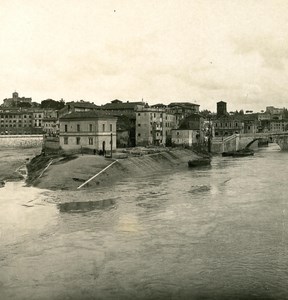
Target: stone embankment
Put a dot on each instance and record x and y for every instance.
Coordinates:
(70, 171)
(21, 141)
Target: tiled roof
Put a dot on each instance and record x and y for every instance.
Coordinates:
(182, 104)
(82, 104)
(121, 106)
(86, 115)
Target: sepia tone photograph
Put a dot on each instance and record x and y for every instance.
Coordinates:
(142, 149)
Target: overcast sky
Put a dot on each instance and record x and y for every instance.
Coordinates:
(162, 51)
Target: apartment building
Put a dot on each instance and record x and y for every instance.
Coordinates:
(153, 126)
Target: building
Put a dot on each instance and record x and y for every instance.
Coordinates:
(225, 124)
(16, 100)
(190, 131)
(79, 106)
(153, 126)
(50, 122)
(278, 126)
(274, 111)
(122, 108)
(91, 130)
(37, 117)
(251, 123)
(182, 109)
(17, 122)
(184, 137)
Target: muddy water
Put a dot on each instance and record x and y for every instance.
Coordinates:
(215, 233)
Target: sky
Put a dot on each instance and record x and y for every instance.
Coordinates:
(161, 51)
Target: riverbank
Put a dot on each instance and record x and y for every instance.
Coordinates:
(71, 171)
(12, 159)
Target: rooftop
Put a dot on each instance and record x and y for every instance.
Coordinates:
(117, 104)
(86, 115)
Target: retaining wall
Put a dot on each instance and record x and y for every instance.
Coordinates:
(21, 141)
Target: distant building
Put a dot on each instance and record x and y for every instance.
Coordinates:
(190, 131)
(251, 123)
(278, 125)
(17, 122)
(274, 111)
(37, 118)
(16, 100)
(153, 126)
(79, 106)
(91, 130)
(182, 109)
(224, 124)
(184, 137)
(122, 108)
(50, 122)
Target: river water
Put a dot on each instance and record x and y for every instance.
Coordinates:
(219, 232)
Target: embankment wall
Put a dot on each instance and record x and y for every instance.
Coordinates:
(21, 141)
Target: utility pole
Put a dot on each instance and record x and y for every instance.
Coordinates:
(111, 142)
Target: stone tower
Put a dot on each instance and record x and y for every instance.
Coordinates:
(221, 109)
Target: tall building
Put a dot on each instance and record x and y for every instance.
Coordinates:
(153, 126)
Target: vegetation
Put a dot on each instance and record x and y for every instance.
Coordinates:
(52, 104)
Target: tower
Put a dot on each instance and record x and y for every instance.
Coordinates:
(15, 96)
(221, 108)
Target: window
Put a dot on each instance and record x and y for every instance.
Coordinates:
(65, 140)
(177, 132)
(111, 127)
(139, 125)
(78, 127)
(78, 140)
(138, 114)
(90, 141)
(66, 128)
(103, 127)
(90, 129)
(139, 134)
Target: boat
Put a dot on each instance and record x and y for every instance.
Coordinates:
(239, 153)
(198, 162)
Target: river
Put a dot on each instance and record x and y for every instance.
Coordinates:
(218, 232)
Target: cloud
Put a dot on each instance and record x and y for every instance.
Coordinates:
(272, 49)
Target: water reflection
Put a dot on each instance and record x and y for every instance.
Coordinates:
(85, 206)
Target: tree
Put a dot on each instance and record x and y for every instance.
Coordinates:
(205, 113)
(52, 104)
(24, 104)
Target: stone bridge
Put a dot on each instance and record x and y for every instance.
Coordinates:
(241, 141)
(248, 139)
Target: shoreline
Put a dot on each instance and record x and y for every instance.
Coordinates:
(12, 160)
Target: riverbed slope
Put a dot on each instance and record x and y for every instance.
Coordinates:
(69, 172)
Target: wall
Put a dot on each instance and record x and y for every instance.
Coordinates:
(182, 137)
(21, 141)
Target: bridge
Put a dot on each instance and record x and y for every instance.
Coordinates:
(240, 141)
